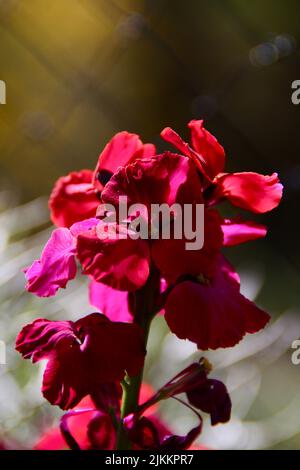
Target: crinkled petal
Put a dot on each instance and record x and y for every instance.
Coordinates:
(82, 356)
(213, 314)
(166, 178)
(55, 267)
(251, 191)
(122, 263)
(73, 198)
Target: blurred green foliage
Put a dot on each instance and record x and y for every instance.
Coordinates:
(77, 71)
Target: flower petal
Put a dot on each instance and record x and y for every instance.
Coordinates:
(251, 191)
(73, 198)
(121, 149)
(213, 315)
(122, 263)
(82, 355)
(113, 303)
(169, 135)
(165, 178)
(174, 260)
(207, 145)
(212, 397)
(237, 232)
(56, 266)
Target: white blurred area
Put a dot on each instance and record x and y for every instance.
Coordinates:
(263, 382)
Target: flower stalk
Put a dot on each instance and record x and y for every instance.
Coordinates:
(144, 308)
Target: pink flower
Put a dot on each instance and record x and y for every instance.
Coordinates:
(82, 355)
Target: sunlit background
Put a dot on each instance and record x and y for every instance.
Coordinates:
(76, 72)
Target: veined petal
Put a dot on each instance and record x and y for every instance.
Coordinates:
(55, 267)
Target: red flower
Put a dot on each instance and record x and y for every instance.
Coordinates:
(73, 198)
(208, 395)
(124, 263)
(88, 428)
(81, 355)
(251, 191)
(212, 312)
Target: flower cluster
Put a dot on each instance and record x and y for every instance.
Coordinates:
(98, 360)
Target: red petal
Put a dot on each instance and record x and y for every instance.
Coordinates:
(166, 178)
(121, 149)
(122, 263)
(251, 191)
(172, 258)
(207, 145)
(213, 315)
(73, 198)
(82, 356)
(169, 135)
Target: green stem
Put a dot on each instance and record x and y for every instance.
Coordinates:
(143, 308)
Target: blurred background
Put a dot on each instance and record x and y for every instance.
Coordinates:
(78, 71)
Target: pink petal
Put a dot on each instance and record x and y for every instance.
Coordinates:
(55, 267)
(83, 226)
(236, 232)
(113, 303)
